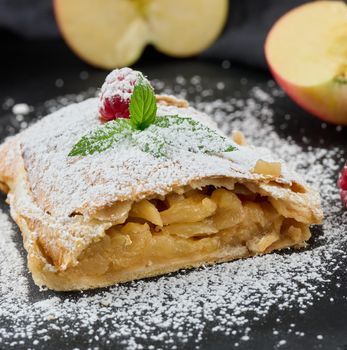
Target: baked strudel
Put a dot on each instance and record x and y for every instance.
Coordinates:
(102, 199)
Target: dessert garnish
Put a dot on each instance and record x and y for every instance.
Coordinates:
(144, 129)
(342, 183)
(116, 92)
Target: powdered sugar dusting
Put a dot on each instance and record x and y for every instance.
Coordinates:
(228, 299)
(10, 291)
(63, 185)
(120, 82)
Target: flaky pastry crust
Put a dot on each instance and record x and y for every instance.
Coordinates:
(58, 216)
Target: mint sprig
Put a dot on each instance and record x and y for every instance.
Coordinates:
(165, 135)
(158, 136)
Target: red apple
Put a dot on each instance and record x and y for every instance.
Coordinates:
(113, 33)
(306, 51)
(342, 184)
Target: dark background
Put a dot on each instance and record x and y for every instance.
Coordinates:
(34, 57)
(31, 21)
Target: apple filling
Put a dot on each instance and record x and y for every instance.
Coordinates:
(193, 226)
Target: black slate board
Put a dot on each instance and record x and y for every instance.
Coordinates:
(32, 80)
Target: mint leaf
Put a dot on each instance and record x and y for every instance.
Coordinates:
(102, 138)
(191, 135)
(143, 106)
(166, 135)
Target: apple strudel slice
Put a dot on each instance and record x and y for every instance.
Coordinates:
(144, 193)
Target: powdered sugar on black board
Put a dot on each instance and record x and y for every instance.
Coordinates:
(170, 311)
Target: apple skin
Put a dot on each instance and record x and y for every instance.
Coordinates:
(327, 101)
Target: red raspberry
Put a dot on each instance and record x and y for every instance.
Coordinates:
(113, 108)
(342, 183)
(116, 93)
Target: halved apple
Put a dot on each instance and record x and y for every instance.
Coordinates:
(307, 53)
(113, 33)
